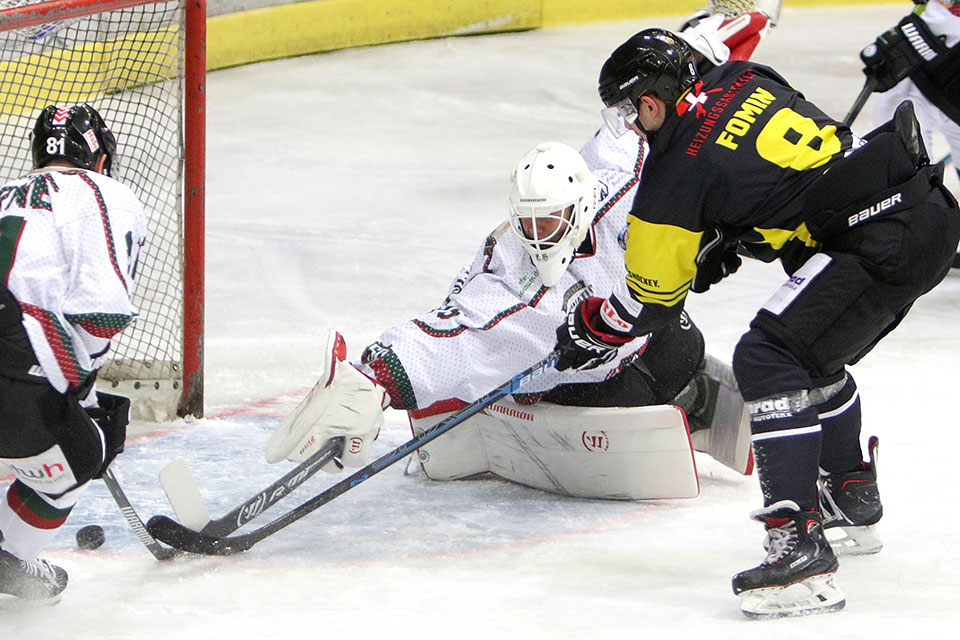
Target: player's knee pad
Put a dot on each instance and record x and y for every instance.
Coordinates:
(48, 472)
(764, 367)
(49, 440)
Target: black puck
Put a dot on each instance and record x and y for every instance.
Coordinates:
(90, 537)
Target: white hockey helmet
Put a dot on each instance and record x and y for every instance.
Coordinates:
(552, 205)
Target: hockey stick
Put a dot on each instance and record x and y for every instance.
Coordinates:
(159, 552)
(180, 537)
(184, 495)
(861, 100)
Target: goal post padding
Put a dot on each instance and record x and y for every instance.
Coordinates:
(139, 64)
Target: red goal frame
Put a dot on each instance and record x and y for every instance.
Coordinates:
(194, 128)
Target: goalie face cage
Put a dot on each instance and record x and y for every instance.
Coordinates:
(141, 64)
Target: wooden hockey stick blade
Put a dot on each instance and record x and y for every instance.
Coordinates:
(130, 515)
(861, 100)
(180, 537)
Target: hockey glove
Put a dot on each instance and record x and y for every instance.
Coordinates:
(898, 51)
(344, 403)
(716, 260)
(111, 415)
(581, 346)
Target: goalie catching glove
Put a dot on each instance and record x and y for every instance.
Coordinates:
(344, 402)
(581, 345)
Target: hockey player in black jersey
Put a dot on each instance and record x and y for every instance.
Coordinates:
(739, 159)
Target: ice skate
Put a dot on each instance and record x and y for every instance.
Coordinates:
(850, 503)
(36, 580)
(797, 576)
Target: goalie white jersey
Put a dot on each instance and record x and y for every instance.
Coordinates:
(498, 318)
(69, 243)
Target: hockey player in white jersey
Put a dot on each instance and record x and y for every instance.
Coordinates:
(500, 316)
(70, 236)
(612, 432)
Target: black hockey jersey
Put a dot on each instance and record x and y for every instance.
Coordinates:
(736, 156)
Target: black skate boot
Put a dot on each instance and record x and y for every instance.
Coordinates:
(31, 580)
(797, 576)
(850, 503)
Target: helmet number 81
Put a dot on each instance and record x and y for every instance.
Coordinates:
(55, 146)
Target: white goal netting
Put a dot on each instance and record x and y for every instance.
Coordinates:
(128, 64)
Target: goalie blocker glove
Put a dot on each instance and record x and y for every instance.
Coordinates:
(582, 346)
(898, 51)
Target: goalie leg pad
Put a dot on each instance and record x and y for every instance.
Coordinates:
(726, 436)
(344, 402)
(457, 454)
(617, 453)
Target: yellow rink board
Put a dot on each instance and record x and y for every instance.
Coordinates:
(312, 27)
(326, 25)
(83, 73)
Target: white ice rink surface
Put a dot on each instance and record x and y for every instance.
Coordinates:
(345, 190)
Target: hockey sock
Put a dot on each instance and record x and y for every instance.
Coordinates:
(30, 519)
(786, 448)
(840, 421)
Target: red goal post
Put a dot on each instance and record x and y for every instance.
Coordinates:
(142, 64)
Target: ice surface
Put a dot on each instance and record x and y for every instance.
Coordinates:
(345, 190)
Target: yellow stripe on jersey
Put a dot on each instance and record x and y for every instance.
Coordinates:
(777, 238)
(660, 261)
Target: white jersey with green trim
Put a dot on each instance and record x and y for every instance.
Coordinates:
(69, 244)
(498, 318)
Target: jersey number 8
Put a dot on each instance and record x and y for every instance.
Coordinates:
(793, 141)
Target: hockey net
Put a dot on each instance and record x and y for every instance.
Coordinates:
(734, 8)
(731, 8)
(129, 59)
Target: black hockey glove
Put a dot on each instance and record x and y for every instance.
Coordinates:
(716, 260)
(581, 346)
(112, 415)
(898, 51)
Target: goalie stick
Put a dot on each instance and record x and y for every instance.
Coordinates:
(176, 535)
(130, 515)
(184, 495)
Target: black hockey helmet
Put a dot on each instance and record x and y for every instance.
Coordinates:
(75, 133)
(652, 61)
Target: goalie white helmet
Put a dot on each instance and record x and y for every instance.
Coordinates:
(552, 205)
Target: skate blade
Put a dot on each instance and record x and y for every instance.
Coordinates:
(13, 603)
(854, 541)
(816, 594)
